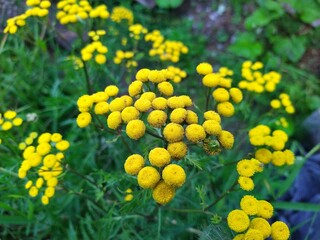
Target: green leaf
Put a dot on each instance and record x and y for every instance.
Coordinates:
(216, 232)
(13, 220)
(169, 3)
(265, 14)
(246, 46)
(291, 48)
(298, 206)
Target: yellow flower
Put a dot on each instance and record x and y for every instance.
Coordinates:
(246, 183)
(84, 119)
(45, 200)
(56, 137)
(159, 103)
(173, 132)
(129, 113)
(265, 209)
(226, 139)
(100, 59)
(117, 104)
(253, 234)
(236, 95)
(245, 168)
(148, 177)
(212, 127)
(52, 182)
(10, 114)
(211, 80)
(114, 120)
(221, 95)
(249, 205)
(195, 133)
(63, 145)
(163, 193)
(212, 115)
(159, 157)
(135, 88)
(135, 129)
(177, 150)
(174, 175)
(33, 191)
(49, 192)
(101, 108)
(17, 122)
(157, 118)
(111, 90)
(165, 88)
(49, 161)
(6, 126)
(225, 109)
(134, 164)
(263, 155)
(204, 68)
(239, 237)
(275, 104)
(262, 225)
(289, 157)
(28, 151)
(28, 184)
(43, 148)
(39, 182)
(280, 231)
(142, 104)
(175, 102)
(178, 115)
(44, 138)
(128, 197)
(278, 158)
(127, 100)
(148, 95)
(85, 101)
(238, 220)
(142, 75)
(99, 97)
(156, 76)
(191, 117)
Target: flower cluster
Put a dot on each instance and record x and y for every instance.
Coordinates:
(251, 221)
(168, 117)
(122, 56)
(96, 46)
(256, 81)
(166, 50)
(136, 30)
(37, 8)
(283, 101)
(119, 14)
(77, 62)
(282, 122)
(45, 161)
(246, 169)
(71, 12)
(9, 120)
(128, 195)
(223, 93)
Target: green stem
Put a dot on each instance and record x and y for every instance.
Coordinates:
(3, 42)
(159, 223)
(187, 210)
(86, 74)
(8, 172)
(312, 151)
(222, 196)
(207, 98)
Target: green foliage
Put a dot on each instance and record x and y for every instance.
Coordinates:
(169, 3)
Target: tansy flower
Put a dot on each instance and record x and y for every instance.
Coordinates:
(117, 104)
(134, 164)
(114, 120)
(174, 175)
(159, 103)
(101, 108)
(238, 220)
(280, 231)
(195, 133)
(246, 183)
(191, 118)
(212, 115)
(211, 80)
(135, 129)
(173, 132)
(178, 115)
(212, 127)
(226, 109)
(262, 225)
(148, 95)
(157, 118)
(236, 95)
(278, 158)
(135, 88)
(129, 113)
(165, 88)
(84, 119)
(142, 75)
(159, 157)
(142, 104)
(245, 168)
(253, 234)
(175, 102)
(177, 150)
(204, 68)
(148, 177)
(112, 90)
(127, 100)
(263, 155)
(265, 209)
(249, 205)
(163, 193)
(226, 139)
(221, 95)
